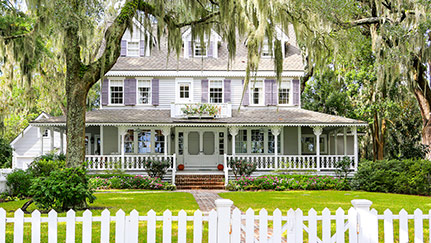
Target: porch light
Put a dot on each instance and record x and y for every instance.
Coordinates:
(172, 136)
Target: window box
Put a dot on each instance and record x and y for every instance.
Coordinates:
(201, 111)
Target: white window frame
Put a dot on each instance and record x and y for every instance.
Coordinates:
(290, 93)
(209, 90)
(266, 131)
(179, 100)
(251, 86)
(265, 46)
(195, 48)
(135, 140)
(109, 92)
(325, 143)
(127, 48)
(138, 93)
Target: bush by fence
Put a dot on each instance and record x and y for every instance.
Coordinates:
(129, 182)
(396, 176)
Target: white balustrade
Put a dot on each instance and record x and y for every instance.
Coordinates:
(225, 110)
(131, 162)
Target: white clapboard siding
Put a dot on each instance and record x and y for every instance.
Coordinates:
(246, 227)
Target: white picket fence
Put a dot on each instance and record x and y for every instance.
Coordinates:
(360, 224)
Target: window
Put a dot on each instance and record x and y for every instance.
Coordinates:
(129, 142)
(200, 50)
(308, 144)
(257, 141)
(284, 93)
(116, 89)
(144, 91)
(266, 52)
(184, 91)
(216, 91)
(221, 142)
(144, 141)
(241, 142)
(159, 142)
(133, 48)
(180, 143)
(257, 92)
(271, 142)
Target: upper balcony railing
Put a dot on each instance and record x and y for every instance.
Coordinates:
(201, 110)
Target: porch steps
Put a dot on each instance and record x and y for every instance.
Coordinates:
(201, 181)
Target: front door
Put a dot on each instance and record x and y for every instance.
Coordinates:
(201, 148)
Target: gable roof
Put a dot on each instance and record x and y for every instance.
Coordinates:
(41, 116)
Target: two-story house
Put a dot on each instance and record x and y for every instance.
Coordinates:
(196, 112)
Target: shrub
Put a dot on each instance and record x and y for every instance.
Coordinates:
(343, 167)
(63, 189)
(44, 167)
(242, 167)
(288, 182)
(18, 182)
(51, 156)
(395, 176)
(157, 168)
(5, 154)
(130, 182)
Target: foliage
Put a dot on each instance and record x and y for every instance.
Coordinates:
(157, 168)
(242, 167)
(288, 182)
(130, 182)
(343, 167)
(63, 189)
(201, 110)
(19, 181)
(5, 154)
(411, 176)
(44, 167)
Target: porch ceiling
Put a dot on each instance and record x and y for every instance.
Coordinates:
(244, 117)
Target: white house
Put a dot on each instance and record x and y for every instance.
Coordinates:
(189, 110)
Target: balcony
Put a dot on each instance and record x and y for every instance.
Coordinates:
(201, 110)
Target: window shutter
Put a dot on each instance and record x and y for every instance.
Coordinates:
(155, 91)
(245, 98)
(227, 91)
(123, 48)
(204, 88)
(190, 49)
(142, 48)
(274, 92)
(210, 49)
(296, 97)
(268, 92)
(130, 91)
(105, 92)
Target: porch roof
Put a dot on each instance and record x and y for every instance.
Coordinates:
(244, 117)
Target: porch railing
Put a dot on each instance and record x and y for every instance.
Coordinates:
(127, 162)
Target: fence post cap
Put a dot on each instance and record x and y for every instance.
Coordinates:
(361, 203)
(223, 203)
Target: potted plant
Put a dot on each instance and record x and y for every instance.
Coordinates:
(201, 111)
(181, 167)
(220, 167)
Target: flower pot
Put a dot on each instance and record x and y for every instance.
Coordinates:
(181, 167)
(220, 167)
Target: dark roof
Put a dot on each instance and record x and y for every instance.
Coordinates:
(244, 116)
(158, 60)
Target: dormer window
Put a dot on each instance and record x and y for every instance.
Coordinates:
(133, 48)
(200, 50)
(266, 52)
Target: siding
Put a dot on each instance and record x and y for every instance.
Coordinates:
(166, 93)
(110, 140)
(290, 140)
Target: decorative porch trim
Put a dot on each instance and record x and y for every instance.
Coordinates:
(239, 74)
(210, 124)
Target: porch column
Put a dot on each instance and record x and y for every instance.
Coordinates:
(61, 141)
(51, 131)
(122, 133)
(276, 131)
(201, 142)
(317, 132)
(336, 142)
(299, 141)
(101, 140)
(355, 147)
(42, 131)
(345, 140)
(233, 132)
(166, 131)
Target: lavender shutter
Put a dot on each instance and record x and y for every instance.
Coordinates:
(274, 92)
(123, 48)
(296, 97)
(268, 92)
(105, 92)
(227, 91)
(142, 48)
(204, 91)
(130, 91)
(245, 98)
(210, 49)
(155, 91)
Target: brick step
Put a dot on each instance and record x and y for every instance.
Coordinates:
(200, 187)
(199, 183)
(201, 176)
(193, 180)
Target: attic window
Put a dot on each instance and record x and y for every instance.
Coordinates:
(266, 52)
(133, 48)
(200, 50)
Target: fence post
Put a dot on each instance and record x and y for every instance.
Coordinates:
(223, 222)
(367, 222)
